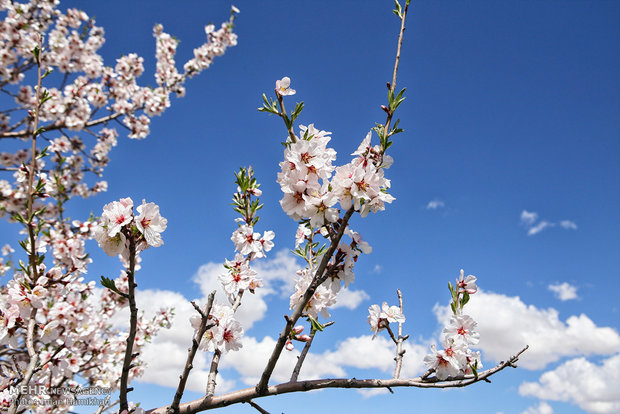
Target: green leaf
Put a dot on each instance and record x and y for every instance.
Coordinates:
(109, 283)
(464, 299)
(316, 325)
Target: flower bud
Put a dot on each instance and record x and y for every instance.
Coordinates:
(304, 338)
(289, 345)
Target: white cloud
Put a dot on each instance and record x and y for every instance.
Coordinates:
(377, 269)
(435, 204)
(371, 392)
(564, 291)
(592, 387)
(568, 225)
(350, 299)
(528, 217)
(538, 228)
(506, 324)
(166, 355)
(355, 352)
(542, 408)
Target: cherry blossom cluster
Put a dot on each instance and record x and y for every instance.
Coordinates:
(310, 191)
(90, 95)
(73, 333)
(118, 227)
(456, 358)
(77, 108)
(315, 192)
(379, 318)
(225, 332)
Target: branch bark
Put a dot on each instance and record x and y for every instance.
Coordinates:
(245, 395)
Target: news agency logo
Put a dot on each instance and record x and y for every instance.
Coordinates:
(28, 390)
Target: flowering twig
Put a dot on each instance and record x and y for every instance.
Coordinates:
(204, 316)
(32, 254)
(399, 343)
(133, 318)
(319, 278)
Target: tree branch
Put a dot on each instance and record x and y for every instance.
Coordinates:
(245, 395)
(261, 387)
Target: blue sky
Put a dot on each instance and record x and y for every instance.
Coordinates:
(511, 107)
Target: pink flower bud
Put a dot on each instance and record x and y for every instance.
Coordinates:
(305, 338)
(289, 345)
(298, 329)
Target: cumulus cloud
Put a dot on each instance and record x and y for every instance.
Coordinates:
(506, 324)
(435, 204)
(564, 291)
(350, 299)
(529, 218)
(165, 356)
(355, 352)
(542, 408)
(592, 387)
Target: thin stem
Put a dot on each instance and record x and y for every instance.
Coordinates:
(133, 318)
(304, 352)
(174, 407)
(386, 129)
(289, 126)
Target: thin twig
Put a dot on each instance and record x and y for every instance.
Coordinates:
(302, 356)
(399, 344)
(204, 317)
(258, 407)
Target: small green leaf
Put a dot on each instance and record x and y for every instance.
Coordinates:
(316, 325)
(109, 283)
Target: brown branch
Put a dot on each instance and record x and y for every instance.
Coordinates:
(248, 394)
(262, 385)
(133, 317)
(204, 317)
(258, 407)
